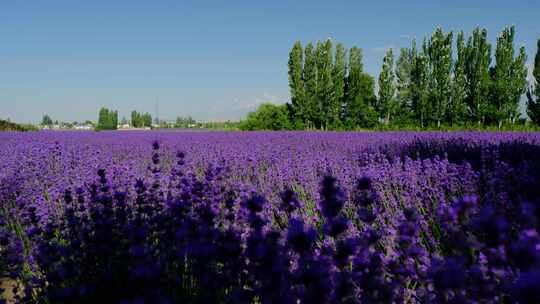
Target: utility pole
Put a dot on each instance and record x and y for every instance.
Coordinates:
(157, 111)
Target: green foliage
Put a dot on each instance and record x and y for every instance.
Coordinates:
(428, 87)
(107, 120)
(457, 109)
(6, 125)
(533, 93)
(359, 95)
(325, 86)
(135, 119)
(113, 124)
(439, 52)
(420, 77)
(184, 122)
(296, 84)
(139, 120)
(509, 79)
(222, 126)
(478, 60)
(404, 67)
(338, 77)
(387, 104)
(103, 119)
(268, 117)
(310, 81)
(46, 120)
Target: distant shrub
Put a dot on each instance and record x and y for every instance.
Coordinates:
(9, 126)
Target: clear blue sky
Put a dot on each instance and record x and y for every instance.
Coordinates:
(208, 59)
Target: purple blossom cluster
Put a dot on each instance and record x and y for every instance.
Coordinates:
(270, 217)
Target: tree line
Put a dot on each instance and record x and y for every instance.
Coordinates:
(428, 85)
(107, 119)
(141, 120)
(7, 125)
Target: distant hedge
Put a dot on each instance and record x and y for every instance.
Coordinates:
(9, 126)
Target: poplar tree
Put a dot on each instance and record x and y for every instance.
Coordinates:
(359, 96)
(296, 84)
(114, 120)
(146, 120)
(419, 86)
(509, 78)
(404, 65)
(325, 86)
(478, 54)
(519, 84)
(457, 109)
(368, 115)
(46, 120)
(352, 84)
(338, 77)
(103, 119)
(135, 119)
(504, 53)
(533, 94)
(387, 103)
(310, 81)
(439, 51)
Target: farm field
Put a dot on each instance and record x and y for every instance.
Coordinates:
(268, 217)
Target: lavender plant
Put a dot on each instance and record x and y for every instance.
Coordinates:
(270, 217)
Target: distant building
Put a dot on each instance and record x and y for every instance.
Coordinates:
(83, 127)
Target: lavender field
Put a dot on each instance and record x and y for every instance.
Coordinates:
(270, 217)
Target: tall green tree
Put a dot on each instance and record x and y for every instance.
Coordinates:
(338, 77)
(387, 105)
(146, 120)
(519, 84)
(107, 120)
(404, 66)
(140, 120)
(352, 85)
(420, 77)
(325, 85)
(296, 84)
(439, 52)
(135, 119)
(533, 94)
(509, 78)
(368, 115)
(359, 96)
(478, 54)
(310, 81)
(103, 119)
(46, 120)
(457, 109)
(114, 120)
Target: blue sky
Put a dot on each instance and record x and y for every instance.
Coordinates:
(207, 59)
